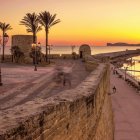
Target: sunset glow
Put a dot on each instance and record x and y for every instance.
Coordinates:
(82, 21)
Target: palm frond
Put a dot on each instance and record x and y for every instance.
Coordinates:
(47, 20)
(39, 28)
(5, 27)
(31, 22)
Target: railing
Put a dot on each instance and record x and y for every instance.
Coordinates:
(130, 76)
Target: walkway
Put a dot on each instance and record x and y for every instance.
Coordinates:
(25, 91)
(126, 107)
(28, 85)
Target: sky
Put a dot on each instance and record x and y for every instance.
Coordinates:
(94, 22)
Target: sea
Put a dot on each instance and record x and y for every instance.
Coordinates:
(96, 50)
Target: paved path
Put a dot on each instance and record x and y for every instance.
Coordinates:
(126, 106)
(29, 85)
(24, 91)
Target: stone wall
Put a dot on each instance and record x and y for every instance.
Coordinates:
(119, 54)
(90, 65)
(24, 42)
(83, 113)
(84, 50)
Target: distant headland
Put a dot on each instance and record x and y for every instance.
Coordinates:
(122, 44)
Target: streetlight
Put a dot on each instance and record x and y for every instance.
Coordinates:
(0, 72)
(138, 86)
(0, 64)
(5, 40)
(39, 51)
(73, 47)
(34, 46)
(73, 53)
(125, 72)
(39, 45)
(3, 43)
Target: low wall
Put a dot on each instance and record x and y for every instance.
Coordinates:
(8, 57)
(90, 65)
(83, 113)
(119, 54)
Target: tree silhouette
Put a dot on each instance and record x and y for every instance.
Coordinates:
(16, 54)
(31, 21)
(4, 27)
(47, 20)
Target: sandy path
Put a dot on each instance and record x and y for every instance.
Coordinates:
(126, 106)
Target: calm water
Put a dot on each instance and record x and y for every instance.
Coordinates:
(135, 67)
(95, 50)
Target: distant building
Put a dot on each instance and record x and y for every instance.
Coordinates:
(84, 50)
(24, 42)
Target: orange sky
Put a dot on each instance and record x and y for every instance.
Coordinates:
(94, 22)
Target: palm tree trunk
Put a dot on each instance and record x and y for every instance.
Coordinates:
(47, 45)
(34, 38)
(34, 42)
(3, 48)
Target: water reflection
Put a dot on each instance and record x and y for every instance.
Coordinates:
(134, 67)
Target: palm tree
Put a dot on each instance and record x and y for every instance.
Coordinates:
(47, 20)
(4, 27)
(31, 21)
